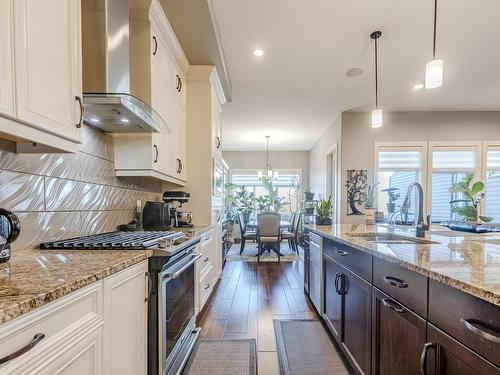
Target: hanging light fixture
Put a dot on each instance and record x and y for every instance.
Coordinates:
(269, 173)
(434, 68)
(376, 113)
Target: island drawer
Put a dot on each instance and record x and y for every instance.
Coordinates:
(357, 261)
(471, 320)
(407, 287)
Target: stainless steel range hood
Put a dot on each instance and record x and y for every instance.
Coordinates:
(108, 101)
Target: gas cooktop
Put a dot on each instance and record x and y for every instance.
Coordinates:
(138, 240)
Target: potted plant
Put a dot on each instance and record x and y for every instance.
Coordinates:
(244, 202)
(369, 201)
(308, 196)
(309, 207)
(472, 194)
(392, 195)
(323, 211)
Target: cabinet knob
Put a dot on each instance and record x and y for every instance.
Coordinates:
(80, 103)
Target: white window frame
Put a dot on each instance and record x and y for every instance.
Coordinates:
(403, 146)
(450, 146)
(484, 163)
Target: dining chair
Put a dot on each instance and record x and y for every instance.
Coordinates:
(245, 234)
(268, 233)
(292, 235)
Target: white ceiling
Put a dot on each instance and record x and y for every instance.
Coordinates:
(299, 86)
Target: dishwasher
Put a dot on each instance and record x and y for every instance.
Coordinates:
(316, 271)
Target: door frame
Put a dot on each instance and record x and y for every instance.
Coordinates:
(331, 183)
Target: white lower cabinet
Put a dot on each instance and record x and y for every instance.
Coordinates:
(208, 266)
(100, 329)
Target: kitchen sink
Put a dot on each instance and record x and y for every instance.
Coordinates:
(390, 238)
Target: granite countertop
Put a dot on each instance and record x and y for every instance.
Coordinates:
(33, 278)
(467, 261)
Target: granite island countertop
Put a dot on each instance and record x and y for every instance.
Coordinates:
(32, 278)
(466, 261)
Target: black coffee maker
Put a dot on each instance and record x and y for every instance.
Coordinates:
(10, 227)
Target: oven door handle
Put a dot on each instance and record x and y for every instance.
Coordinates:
(170, 275)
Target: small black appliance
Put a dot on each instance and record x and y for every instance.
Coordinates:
(181, 197)
(10, 227)
(157, 216)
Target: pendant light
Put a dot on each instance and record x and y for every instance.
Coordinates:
(270, 175)
(377, 113)
(434, 68)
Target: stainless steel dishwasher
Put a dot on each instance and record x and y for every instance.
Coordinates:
(316, 271)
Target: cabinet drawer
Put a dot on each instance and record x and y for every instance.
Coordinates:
(204, 263)
(470, 320)
(206, 239)
(407, 287)
(206, 286)
(65, 314)
(353, 259)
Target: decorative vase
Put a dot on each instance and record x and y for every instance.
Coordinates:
(308, 196)
(323, 220)
(309, 211)
(391, 207)
(370, 216)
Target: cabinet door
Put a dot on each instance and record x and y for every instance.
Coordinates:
(333, 296)
(181, 132)
(398, 337)
(357, 321)
(446, 356)
(125, 331)
(48, 65)
(6, 58)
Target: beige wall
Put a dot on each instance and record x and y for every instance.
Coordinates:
(329, 141)
(277, 159)
(60, 196)
(358, 137)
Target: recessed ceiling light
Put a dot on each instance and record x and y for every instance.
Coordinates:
(354, 72)
(124, 119)
(418, 86)
(258, 52)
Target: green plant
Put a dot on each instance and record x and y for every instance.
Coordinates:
(262, 204)
(244, 201)
(393, 196)
(472, 194)
(370, 195)
(324, 207)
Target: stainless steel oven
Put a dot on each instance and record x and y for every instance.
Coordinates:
(176, 313)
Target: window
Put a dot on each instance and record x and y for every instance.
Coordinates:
(397, 168)
(449, 165)
(493, 183)
(286, 183)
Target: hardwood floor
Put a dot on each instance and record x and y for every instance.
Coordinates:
(249, 296)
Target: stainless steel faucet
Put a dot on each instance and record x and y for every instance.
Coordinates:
(421, 225)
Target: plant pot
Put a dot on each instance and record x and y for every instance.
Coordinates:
(369, 216)
(246, 218)
(309, 211)
(391, 207)
(308, 196)
(379, 217)
(323, 221)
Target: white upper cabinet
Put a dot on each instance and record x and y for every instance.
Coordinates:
(48, 65)
(6, 58)
(40, 73)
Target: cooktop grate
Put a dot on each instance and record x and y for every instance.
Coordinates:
(113, 240)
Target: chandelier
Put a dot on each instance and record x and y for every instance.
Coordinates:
(268, 172)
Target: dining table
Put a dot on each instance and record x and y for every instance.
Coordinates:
(284, 224)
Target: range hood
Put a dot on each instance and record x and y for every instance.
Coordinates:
(108, 102)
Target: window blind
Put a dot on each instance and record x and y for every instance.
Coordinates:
(493, 158)
(251, 178)
(399, 160)
(454, 160)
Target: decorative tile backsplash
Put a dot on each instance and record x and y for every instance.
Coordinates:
(68, 195)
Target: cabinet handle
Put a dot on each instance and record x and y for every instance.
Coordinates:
(217, 142)
(342, 253)
(80, 103)
(206, 259)
(423, 357)
(157, 153)
(150, 287)
(393, 305)
(208, 286)
(177, 79)
(179, 166)
(180, 84)
(337, 277)
(471, 324)
(394, 281)
(36, 339)
(156, 46)
(182, 166)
